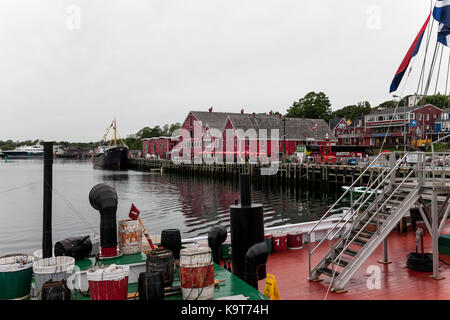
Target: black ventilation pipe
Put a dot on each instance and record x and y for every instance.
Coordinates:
(216, 236)
(103, 198)
(255, 264)
(48, 184)
(247, 226)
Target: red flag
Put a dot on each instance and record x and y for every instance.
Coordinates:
(315, 126)
(134, 212)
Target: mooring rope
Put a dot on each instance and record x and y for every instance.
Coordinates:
(19, 187)
(74, 210)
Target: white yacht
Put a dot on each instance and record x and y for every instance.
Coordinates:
(25, 152)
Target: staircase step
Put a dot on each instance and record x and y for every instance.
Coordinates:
(328, 272)
(348, 252)
(364, 234)
(393, 202)
(373, 221)
(341, 262)
(359, 241)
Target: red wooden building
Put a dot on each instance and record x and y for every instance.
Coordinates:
(417, 120)
(371, 129)
(251, 134)
(159, 147)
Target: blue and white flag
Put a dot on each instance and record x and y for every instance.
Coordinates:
(443, 35)
(441, 12)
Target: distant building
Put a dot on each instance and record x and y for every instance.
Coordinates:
(413, 100)
(370, 130)
(210, 132)
(443, 122)
(159, 147)
(417, 120)
(295, 131)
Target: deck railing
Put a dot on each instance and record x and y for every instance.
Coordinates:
(360, 202)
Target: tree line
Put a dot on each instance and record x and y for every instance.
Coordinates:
(314, 105)
(133, 141)
(317, 105)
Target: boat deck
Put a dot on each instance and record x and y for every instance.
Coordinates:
(230, 285)
(290, 269)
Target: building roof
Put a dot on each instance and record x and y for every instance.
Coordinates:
(212, 119)
(399, 109)
(391, 110)
(296, 128)
(334, 122)
(162, 137)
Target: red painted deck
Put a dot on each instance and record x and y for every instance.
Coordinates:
(290, 268)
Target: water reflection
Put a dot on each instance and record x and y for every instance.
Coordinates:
(192, 205)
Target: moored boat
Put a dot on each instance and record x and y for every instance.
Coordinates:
(112, 156)
(362, 190)
(25, 152)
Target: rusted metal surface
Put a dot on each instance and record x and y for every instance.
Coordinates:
(130, 236)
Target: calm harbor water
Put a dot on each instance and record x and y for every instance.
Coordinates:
(192, 205)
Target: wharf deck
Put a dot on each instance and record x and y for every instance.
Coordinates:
(290, 268)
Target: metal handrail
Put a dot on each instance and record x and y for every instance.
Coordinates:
(380, 184)
(342, 196)
(362, 204)
(433, 160)
(351, 208)
(376, 213)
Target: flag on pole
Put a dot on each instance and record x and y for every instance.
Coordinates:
(444, 35)
(441, 12)
(409, 55)
(134, 212)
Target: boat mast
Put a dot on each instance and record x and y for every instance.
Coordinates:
(115, 132)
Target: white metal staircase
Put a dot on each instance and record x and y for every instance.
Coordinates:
(373, 215)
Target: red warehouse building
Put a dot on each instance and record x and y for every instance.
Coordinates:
(160, 147)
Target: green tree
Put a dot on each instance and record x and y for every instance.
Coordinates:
(353, 111)
(437, 100)
(313, 105)
(387, 104)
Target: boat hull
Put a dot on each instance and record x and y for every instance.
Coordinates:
(112, 159)
(22, 154)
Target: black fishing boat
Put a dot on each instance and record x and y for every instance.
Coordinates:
(113, 156)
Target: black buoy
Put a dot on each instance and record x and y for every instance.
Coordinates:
(171, 239)
(76, 247)
(103, 198)
(216, 236)
(255, 263)
(47, 243)
(247, 227)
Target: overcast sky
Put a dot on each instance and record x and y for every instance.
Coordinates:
(67, 68)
